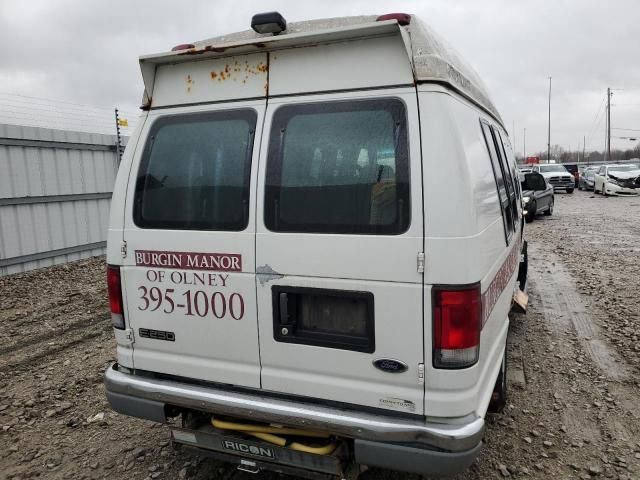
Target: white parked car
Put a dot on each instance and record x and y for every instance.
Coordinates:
(558, 176)
(314, 244)
(617, 180)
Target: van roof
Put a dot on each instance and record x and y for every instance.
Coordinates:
(431, 58)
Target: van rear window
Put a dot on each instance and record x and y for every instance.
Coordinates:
(338, 167)
(194, 173)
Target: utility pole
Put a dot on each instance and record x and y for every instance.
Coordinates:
(608, 124)
(524, 145)
(549, 127)
(584, 146)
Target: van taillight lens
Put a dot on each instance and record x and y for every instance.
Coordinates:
(115, 296)
(457, 321)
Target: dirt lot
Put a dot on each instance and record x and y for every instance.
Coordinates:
(574, 409)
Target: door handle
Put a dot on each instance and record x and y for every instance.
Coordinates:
(284, 308)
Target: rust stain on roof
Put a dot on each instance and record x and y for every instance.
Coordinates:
(238, 72)
(205, 49)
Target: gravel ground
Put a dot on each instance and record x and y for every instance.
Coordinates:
(574, 409)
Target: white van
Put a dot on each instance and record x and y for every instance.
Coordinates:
(313, 248)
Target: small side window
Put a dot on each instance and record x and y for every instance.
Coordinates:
(511, 172)
(501, 184)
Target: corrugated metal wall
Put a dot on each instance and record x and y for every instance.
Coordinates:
(55, 190)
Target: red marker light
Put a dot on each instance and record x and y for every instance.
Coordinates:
(402, 18)
(183, 46)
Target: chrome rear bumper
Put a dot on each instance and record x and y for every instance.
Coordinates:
(140, 396)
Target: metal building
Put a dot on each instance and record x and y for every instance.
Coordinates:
(55, 190)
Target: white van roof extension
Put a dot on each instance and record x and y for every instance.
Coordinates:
(432, 59)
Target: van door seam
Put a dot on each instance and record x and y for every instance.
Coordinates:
(424, 251)
(255, 217)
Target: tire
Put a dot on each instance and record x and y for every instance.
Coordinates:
(604, 190)
(500, 391)
(569, 190)
(549, 211)
(531, 212)
(523, 268)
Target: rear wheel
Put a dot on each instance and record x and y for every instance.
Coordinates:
(569, 190)
(550, 209)
(523, 268)
(499, 396)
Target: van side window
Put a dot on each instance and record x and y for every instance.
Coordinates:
(339, 167)
(511, 173)
(503, 190)
(194, 173)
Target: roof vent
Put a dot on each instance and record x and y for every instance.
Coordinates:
(268, 22)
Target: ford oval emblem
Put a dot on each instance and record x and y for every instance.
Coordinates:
(390, 365)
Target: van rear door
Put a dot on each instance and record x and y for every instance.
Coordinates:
(339, 233)
(188, 277)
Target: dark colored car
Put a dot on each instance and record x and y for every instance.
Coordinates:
(537, 196)
(573, 170)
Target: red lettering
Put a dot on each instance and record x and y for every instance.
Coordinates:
(236, 311)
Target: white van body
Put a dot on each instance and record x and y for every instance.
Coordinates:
(299, 290)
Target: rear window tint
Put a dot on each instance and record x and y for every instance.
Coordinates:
(338, 167)
(194, 173)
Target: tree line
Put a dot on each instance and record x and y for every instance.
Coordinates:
(561, 155)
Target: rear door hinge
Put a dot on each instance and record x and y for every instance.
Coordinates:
(420, 262)
(421, 374)
(123, 249)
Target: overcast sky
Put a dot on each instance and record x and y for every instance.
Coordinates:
(85, 52)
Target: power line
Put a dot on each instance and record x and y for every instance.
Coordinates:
(597, 115)
(64, 110)
(626, 129)
(49, 112)
(56, 101)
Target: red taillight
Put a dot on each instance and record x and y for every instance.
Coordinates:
(115, 296)
(183, 46)
(402, 18)
(457, 321)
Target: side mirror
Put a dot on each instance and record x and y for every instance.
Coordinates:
(534, 181)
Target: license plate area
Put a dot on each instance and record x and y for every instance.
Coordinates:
(327, 318)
